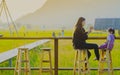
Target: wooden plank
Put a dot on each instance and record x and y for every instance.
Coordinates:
(13, 52)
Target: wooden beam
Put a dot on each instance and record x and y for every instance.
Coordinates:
(35, 38)
(63, 69)
(56, 56)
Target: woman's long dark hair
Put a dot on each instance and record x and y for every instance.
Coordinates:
(79, 23)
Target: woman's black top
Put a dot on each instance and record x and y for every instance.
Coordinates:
(79, 38)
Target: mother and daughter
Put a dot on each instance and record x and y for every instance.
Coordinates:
(80, 36)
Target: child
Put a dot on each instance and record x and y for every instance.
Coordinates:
(109, 44)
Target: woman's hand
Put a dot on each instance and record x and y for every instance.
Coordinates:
(90, 29)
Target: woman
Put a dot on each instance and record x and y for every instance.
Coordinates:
(80, 37)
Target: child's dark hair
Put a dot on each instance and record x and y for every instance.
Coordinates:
(111, 30)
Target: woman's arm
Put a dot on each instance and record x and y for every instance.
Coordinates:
(83, 34)
(90, 29)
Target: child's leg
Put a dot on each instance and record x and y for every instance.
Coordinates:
(105, 54)
(103, 46)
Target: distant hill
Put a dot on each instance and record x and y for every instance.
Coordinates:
(64, 13)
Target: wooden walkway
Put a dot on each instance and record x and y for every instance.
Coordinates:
(13, 52)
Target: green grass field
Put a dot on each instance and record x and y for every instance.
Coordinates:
(66, 52)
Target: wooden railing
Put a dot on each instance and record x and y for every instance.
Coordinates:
(56, 42)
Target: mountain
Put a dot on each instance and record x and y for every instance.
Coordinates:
(64, 13)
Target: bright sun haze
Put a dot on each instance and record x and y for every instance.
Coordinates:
(19, 8)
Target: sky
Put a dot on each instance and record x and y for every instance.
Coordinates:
(20, 8)
(97, 8)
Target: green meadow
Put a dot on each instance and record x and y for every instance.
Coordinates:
(66, 51)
